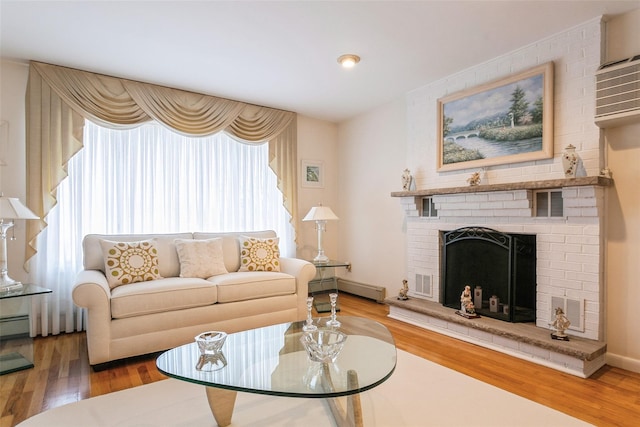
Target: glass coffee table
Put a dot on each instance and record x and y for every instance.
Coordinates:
(272, 361)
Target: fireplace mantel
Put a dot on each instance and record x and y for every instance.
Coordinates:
(530, 185)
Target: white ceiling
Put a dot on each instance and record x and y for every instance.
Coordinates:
(283, 54)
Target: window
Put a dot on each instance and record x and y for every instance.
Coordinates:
(548, 203)
(151, 180)
(428, 208)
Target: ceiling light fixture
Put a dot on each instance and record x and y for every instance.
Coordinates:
(349, 60)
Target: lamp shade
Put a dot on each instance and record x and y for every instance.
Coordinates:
(12, 208)
(320, 213)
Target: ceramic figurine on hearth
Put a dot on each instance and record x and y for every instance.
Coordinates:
(474, 179)
(406, 180)
(560, 324)
(466, 305)
(402, 295)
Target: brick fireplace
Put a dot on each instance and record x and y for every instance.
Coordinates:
(569, 265)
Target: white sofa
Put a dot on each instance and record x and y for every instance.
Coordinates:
(150, 316)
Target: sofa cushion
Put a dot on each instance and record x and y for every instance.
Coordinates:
(231, 244)
(200, 258)
(170, 294)
(259, 254)
(241, 286)
(130, 262)
(168, 262)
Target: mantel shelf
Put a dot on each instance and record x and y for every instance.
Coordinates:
(530, 185)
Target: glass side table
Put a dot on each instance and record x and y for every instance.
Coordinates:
(10, 360)
(325, 282)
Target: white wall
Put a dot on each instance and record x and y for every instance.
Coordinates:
(13, 84)
(576, 54)
(623, 215)
(318, 141)
(371, 155)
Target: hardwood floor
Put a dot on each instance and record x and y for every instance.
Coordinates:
(62, 374)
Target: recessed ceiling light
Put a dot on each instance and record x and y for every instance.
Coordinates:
(349, 60)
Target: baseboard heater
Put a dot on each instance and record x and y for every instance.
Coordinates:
(376, 293)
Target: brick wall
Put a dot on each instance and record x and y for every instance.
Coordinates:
(570, 248)
(576, 54)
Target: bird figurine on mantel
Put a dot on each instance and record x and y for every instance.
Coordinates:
(474, 179)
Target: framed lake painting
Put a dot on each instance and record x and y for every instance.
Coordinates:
(506, 121)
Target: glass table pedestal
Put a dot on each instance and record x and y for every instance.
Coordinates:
(325, 283)
(16, 352)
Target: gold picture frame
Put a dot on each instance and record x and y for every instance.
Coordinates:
(506, 121)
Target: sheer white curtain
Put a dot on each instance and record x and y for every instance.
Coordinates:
(151, 180)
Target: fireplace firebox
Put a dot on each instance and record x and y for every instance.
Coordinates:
(500, 268)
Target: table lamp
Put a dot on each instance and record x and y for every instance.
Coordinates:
(320, 214)
(10, 209)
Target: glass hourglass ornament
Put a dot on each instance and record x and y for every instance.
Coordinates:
(333, 322)
(309, 326)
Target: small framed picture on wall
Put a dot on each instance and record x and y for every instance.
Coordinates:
(312, 174)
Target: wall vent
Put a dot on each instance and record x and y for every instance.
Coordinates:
(618, 92)
(573, 310)
(424, 285)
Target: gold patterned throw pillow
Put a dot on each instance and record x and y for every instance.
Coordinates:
(259, 254)
(130, 262)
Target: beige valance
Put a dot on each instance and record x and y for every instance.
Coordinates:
(59, 99)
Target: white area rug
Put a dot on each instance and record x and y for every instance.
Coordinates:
(419, 393)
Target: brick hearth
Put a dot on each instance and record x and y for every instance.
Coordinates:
(579, 356)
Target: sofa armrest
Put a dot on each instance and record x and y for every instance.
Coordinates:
(91, 292)
(91, 289)
(303, 271)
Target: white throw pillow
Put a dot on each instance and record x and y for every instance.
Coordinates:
(259, 254)
(130, 262)
(200, 258)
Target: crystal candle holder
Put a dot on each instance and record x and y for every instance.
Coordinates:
(211, 342)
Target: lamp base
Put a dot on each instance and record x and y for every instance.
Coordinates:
(7, 284)
(321, 259)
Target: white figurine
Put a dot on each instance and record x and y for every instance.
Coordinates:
(466, 305)
(560, 325)
(402, 295)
